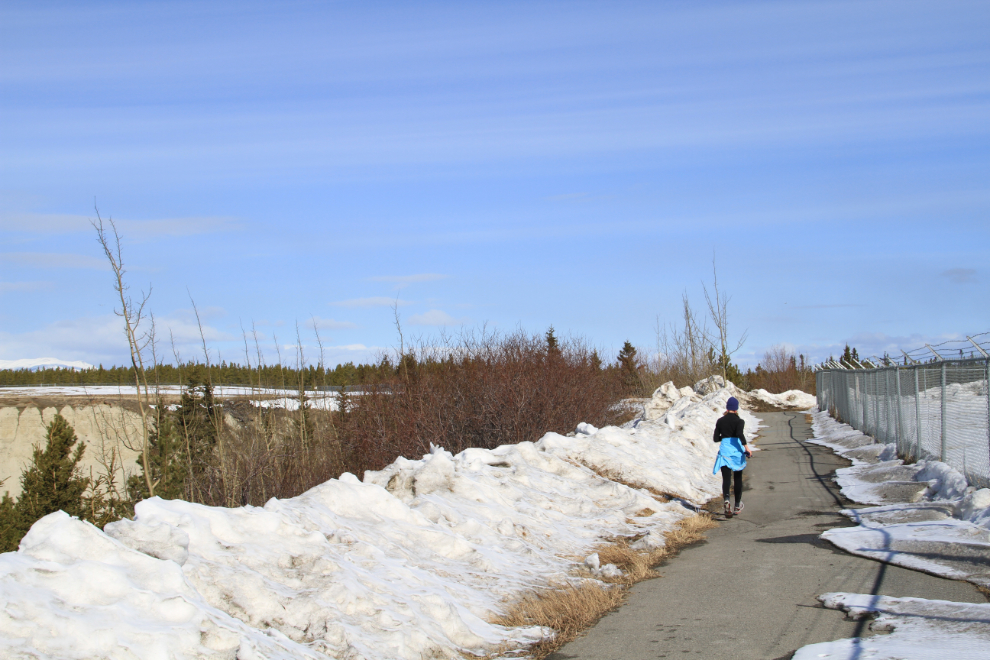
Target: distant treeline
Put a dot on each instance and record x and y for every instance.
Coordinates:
(268, 376)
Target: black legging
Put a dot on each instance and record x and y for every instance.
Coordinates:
(727, 473)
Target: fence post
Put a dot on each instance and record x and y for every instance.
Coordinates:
(892, 427)
(901, 440)
(876, 406)
(917, 413)
(861, 382)
(943, 412)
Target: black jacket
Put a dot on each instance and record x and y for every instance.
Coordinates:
(729, 426)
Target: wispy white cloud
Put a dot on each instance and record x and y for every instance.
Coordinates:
(6, 287)
(185, 330)
(960, 275)
(53, 260)
(188, 314)
(435, 317)
(376, 301)
(829, 306)
(402, 281)
(93, 339)
(66, 223)
(331, 324)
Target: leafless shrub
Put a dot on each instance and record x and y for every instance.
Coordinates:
(684, 352)
(479, 390)
(780, 371)
(718, 310)
(133, 315)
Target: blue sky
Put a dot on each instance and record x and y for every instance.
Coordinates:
(515, 164)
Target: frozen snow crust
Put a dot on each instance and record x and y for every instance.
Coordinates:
(929, 520)
(411, 562)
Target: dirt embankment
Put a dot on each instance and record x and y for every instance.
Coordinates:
(103, 425)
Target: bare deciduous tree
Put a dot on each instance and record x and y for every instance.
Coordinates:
(718, 309)
(684, 353)
(137, 340)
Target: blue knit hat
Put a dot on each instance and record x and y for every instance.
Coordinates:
(732, 403)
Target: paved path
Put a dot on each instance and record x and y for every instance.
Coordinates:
(749, 591)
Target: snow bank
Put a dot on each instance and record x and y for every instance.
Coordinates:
(788, 399)
(918, 628)
(930, 521)
(411, 562)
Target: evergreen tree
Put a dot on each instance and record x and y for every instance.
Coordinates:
(167, 460)
(628, 367)
(553, 345)
(596, 360)
(10, 528)
(734, 374)
(52, 482)
(181, 446)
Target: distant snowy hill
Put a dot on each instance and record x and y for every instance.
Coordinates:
(43, 363)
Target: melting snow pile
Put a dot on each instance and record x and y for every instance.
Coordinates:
(918, 628)
(929, 519)
(411, 562)
(788, 399)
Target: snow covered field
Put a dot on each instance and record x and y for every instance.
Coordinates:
(928, 519)
(410, 562)
(266, 398)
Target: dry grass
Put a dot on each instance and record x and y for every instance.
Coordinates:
(567, 609)
(570, 609)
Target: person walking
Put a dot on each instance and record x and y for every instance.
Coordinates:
(732, 454)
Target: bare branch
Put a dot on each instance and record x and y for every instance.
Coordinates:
(132, 322)
(718, 309)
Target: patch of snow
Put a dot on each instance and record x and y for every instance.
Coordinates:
(917, 627)
(923, 538)
(412, 561)
(263, 398)
(43, 363)
(932, 521)
(663, 399)
(788, 399)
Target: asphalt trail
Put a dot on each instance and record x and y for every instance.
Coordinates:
(749, 590)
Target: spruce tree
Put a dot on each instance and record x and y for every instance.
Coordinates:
(553, 344)
(596, 360)
(52, 482)
(628, 367)
(10, 528)
(167, 460)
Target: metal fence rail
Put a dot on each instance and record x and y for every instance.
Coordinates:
(938, 410)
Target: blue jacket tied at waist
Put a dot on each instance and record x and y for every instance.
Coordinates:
(730, 454)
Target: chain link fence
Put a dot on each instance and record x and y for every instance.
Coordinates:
(934, 410)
